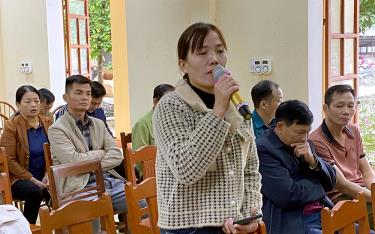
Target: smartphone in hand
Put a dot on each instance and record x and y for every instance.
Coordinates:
(247, 219)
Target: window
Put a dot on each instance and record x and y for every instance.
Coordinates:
(76, 33)
(341, 42)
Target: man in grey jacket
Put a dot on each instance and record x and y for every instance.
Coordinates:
(76, 136)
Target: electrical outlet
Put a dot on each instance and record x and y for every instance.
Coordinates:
(26, 67)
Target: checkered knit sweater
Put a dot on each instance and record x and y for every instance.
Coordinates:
(206, 167)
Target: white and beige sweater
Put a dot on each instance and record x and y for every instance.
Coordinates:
(207, 168)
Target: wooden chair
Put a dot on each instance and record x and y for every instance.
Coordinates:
(3, 118)
(146, 156)
(73, 169)
(126, 140)
(48, 160)
(343, 216)
(5, 190)
(134, 193)
(261, 228)
(54, 112)
(3, 161)
(6, 109)
(51, 177)
(373, 200)
(77, 216)
(6, 195)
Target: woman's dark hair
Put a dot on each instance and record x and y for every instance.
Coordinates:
(294, 111)
(193, 38)
(24, 89)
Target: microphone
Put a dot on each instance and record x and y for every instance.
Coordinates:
(236, 98)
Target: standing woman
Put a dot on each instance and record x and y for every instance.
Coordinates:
(207, 164)
(23, 138)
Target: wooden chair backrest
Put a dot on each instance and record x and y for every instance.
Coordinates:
(134, 193)
(373, 200)
(7, 109)
(77, 216)
(3, 118)
(126, 140)
(3, 161)
(54, 112)
(343, 216)
(6, 197)
(146, 156)
(73, 169)
(5, 190)
(261, 228)
(48, 160)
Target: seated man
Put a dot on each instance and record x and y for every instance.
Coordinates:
(294, 178)
(97, 94)
(75, 136)
(339, 143)
(46, 102)
(267, 96)
(142, 132)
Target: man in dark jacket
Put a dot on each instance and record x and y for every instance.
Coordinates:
(294, 178)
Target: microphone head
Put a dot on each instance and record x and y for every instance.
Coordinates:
(218, 71)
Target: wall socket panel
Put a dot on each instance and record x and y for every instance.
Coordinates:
(260, 66)
(26, 67)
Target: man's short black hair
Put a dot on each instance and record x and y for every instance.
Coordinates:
(263, 91)
(97, 90)
(294, 111)
(160, 90)
(79, 79)
(340, 89)
(46, 96)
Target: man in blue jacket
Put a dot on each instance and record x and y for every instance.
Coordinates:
(294, 178)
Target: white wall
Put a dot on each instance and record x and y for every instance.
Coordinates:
(24, 38)
(31, 31)
(288, 32)
(274, 29)
(2, 90)
(315, 64)
(153, 29)
(56, 56)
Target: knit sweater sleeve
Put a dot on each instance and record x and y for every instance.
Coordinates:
(252, 182)
(189, 148)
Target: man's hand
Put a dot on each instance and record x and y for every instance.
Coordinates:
(304, 150)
